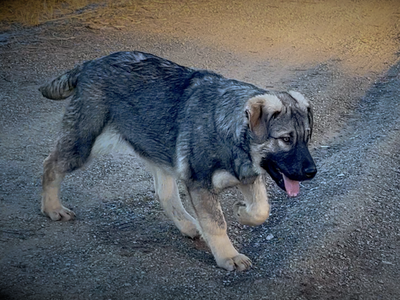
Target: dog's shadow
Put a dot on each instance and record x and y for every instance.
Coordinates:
(143, 230)
(134, 225)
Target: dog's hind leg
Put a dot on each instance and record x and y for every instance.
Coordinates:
(70, 153)
(213, 228)
(167, 192)
(81, 126)
(51, 182)
(255, 209)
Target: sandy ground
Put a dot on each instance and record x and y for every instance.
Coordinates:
(339, 239)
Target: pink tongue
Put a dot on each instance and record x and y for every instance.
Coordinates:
(292, 187)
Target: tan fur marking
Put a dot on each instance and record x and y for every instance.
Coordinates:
(51, 183)
(222, 179)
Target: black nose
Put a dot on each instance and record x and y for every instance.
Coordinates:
(310, 171)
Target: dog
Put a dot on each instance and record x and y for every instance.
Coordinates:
(192, 125)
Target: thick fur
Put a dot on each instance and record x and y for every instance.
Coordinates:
(194, 125)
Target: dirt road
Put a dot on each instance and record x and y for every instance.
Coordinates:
(339, 239)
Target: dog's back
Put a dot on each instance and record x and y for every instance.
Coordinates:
(125, 90)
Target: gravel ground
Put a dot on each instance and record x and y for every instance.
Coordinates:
(339, 239)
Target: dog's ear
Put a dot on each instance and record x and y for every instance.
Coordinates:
(259, 110)
(301, 100)
(254, 114)
(304, 104)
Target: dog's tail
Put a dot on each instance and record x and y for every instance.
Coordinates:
(63, 86)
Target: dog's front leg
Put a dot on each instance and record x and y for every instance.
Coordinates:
(167, 193)
(255, 209)
(213, 228)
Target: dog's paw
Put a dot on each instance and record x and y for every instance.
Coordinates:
(60, 214)
(239, 262)
(250, 215)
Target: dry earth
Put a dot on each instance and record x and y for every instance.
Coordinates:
(339, 239)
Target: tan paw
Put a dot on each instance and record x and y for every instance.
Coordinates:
(250, 215)
(239, 262)
(60, 214)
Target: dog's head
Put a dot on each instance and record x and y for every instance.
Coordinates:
(280, 127)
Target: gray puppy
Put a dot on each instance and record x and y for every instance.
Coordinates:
(208, 131)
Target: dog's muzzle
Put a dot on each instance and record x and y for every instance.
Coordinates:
(289, 182)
